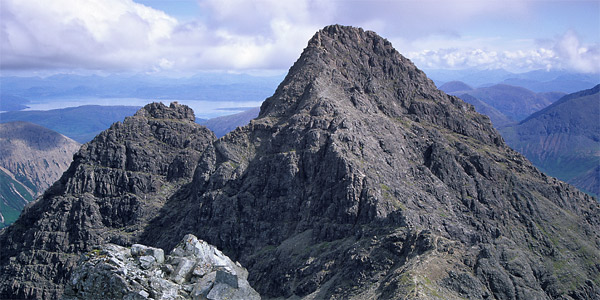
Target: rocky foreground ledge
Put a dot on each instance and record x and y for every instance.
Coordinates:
(193, 270)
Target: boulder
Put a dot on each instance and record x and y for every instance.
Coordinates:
(193, 270)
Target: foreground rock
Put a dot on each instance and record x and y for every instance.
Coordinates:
(193, 270)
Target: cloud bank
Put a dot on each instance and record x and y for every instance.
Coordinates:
(122, 35)
(563, 52)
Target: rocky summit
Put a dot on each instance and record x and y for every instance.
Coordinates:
(358, 180)
(116, 184)
(193, 270)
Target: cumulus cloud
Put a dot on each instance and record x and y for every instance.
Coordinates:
(87, 34)
(564, 52)
(122, 35)
(570, 53)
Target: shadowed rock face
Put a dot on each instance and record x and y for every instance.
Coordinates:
(116, 183)
(358, 180)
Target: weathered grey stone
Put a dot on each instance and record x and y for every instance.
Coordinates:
(224, 276)
(203, 286)
(117, 272)
(183, 272)
(141, 250)
(146, 261)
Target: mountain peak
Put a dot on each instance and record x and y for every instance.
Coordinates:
(158, 110)
(348, 60)
(358, 180)
(348, 71)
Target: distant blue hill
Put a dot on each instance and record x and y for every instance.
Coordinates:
(12, 103)
(80, 123)
(537, 81)
(504, 104)
(224, 124)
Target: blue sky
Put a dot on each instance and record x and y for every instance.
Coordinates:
(264, 36)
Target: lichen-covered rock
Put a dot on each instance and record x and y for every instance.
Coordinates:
(193, 270)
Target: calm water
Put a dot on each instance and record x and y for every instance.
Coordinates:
(202, 109)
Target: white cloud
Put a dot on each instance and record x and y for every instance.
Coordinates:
(117, 35)
(86, 34)
(572, 54)
(564, 52)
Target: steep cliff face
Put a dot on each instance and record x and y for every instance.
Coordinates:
(116, 183)
(359, 179)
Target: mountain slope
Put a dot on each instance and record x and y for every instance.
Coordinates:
(498, 119)
(358, 180)
(31, 159)
(14, 195)
(224, 124)
(563, 139)
(114, 186)
(516, 103)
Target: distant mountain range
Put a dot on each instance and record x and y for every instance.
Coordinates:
(516, 103)
(222, 125)
(31, 159)
(538, 81)
(563, 140)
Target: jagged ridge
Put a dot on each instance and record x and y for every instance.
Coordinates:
(114, 186)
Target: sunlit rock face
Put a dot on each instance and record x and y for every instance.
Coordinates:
(193, 270)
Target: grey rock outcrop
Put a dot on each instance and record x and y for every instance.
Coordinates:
(115, 185)
(193, 270)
